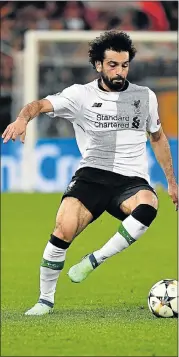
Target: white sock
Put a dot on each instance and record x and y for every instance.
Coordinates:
(129, 231)
(51, 266)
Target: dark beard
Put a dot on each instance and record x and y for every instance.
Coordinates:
(114, 86)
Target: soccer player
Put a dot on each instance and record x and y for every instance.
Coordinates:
(111, 118)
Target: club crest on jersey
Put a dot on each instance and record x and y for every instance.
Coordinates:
(136, 104)
(97, 105)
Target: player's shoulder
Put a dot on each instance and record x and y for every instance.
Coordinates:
(87, 89)
(74, 92)
(151, 96)
(136, 87)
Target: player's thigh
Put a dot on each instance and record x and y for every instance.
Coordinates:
(72, 217)
(143, 196)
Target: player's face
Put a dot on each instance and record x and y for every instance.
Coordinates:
(114, 69)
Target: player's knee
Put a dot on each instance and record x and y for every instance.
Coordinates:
(147, 197)
(145, 214)
(64, 231)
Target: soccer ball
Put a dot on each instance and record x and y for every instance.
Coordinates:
(162, 298)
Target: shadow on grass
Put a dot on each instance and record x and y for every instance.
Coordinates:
(137, 313)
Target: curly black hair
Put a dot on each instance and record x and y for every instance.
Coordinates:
(110, 40)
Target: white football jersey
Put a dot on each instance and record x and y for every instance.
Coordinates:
(110, 127)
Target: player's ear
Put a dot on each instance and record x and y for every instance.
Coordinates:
(98, 66)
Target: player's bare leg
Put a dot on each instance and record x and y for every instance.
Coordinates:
(71, 219)
(141, 210)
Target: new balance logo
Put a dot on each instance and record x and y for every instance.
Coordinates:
(97, 105)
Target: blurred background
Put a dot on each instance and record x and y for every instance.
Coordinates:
(63, 64)
(33, 177)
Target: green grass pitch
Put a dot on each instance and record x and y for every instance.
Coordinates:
(107, 314)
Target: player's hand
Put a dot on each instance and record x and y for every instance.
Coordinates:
(173, 193)
(17, 128)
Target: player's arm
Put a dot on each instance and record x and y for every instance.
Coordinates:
(28, 112)
(33, 109)
(161, 148)
(66, 104)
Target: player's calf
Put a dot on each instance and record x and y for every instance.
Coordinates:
(130, 230)
(71, 219)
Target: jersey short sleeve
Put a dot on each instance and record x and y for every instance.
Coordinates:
(66, 104)
(153, 121)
